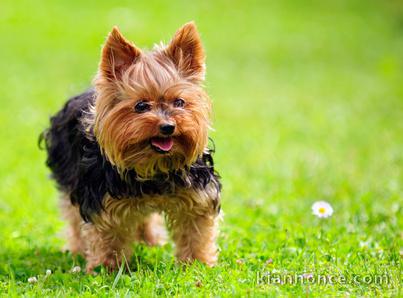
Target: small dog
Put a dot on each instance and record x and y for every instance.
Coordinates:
(134, 148)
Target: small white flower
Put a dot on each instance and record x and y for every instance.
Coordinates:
(32, 280)
(48, 272)
(76, 269)
(322, 209)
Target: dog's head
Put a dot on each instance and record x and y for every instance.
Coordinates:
(151, 112)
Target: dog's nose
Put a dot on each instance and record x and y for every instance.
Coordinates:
(167, 129)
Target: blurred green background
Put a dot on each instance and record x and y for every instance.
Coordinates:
(308, 105)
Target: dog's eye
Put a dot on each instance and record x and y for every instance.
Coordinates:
(142, 106)
(179, 103)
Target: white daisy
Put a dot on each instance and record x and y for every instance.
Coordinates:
(322, 209)
(76, 269)
(32, 280)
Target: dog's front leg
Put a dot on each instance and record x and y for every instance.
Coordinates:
(109, 236)
(194, 227)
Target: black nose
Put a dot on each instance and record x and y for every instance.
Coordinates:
(167, 129)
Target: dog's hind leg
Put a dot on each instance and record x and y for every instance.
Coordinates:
(152, 230)
(71, 214)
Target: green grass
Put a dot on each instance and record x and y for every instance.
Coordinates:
(308, 101)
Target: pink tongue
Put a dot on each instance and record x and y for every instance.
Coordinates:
(165, 144)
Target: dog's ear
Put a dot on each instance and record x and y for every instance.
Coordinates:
(186, 51)
(117, 55)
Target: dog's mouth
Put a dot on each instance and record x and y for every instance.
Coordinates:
(162, 144)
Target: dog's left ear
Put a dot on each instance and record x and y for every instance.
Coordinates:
(186, 51)
(117, 55)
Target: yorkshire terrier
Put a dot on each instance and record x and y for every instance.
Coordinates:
(132, 153)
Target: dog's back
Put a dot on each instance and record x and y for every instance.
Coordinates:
(65, 140)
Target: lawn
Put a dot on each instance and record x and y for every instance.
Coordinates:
(308, 106)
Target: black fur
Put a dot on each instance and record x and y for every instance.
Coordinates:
(81, 170)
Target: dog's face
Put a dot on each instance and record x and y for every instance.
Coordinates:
(151, 113)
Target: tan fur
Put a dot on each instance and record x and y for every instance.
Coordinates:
(159, 77)
(152, 231)
(191, 217)
(127, 75)
(71, 214)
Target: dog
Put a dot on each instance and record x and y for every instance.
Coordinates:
(131, 154)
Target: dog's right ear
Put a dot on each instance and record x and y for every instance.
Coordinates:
(186, 51)
(117, 55)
